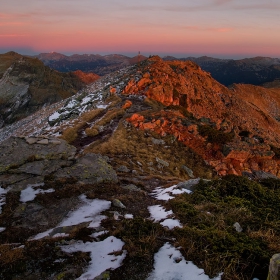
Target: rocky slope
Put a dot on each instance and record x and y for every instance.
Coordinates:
(106, 183)
(98, 64)
(26, 85)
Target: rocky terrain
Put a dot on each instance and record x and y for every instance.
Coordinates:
(98, 64)
(26, 85)
(255, 71)
(155, 171)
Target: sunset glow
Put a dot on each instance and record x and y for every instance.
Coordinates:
(221, 28)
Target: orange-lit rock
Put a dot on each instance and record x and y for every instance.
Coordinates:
(86, 78)
(127, 104)
(250, 112)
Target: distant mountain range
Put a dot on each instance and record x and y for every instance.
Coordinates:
(256, 71)
(101, 65)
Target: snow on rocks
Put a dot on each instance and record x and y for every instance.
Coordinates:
(89, 212)
(170, 264)
(3, 193)
(2, 229)
(166, 193)
(30, 192)
(102, 255)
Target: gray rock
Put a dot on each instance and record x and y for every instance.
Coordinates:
(15, 152)
(42, 167)
(123, 168)
(31, 140)
(259, 175)
(43, 142)
(118, 203)
(158, 141)
(162, 162)
(237, 227)
(89, 169)
(188, 171)
(274, 268)
(189, 185)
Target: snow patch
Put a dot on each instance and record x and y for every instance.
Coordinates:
(166, 193)
(30, 193)
(96, 234)
(2, 229)
(170, 265)
(102, 255)
(170, 223)
(128, 216)
(159, 213)
(54, 116)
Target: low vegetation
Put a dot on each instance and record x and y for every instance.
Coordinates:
(209, 237)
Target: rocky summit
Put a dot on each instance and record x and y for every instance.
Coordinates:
(153, 171)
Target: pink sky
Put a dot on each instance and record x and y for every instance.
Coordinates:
(221, 28)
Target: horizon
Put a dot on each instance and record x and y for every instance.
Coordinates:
(175, 55)
(216, 28)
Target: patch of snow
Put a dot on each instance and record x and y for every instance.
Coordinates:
(102, 255)
(101, 106)
(158, 212)
(170, 223)
(3, 193)
(128, 216)
(170, 265)
(96, 234)
(59, 260)
(2, 229)
(30, 193)
(86, 100)
(165, 193)
(60, 235)
(88, 212)
(54, 116)
(71, 104)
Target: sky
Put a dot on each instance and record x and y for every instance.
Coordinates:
(218, 28)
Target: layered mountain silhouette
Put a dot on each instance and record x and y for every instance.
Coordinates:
(170, 157)
(256, 71)
(98, 64)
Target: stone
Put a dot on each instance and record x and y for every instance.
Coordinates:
(89, 169)
(188, 171)
(31, 140)
(274, 268)
(237, 227)
(158, 141)
(162, 162)
(189, 184)
(123, 168)
(43, 142)
(118, 203)
(15, 152)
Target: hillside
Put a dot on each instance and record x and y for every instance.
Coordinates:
(26, 85)
(152, 171)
